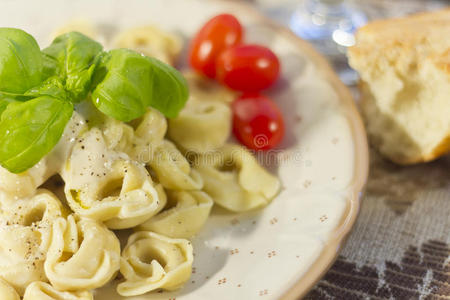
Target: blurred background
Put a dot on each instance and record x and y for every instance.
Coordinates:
(329, 24)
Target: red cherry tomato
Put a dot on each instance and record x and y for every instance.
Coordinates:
(248, 68)
(219, 33)
(257, 122)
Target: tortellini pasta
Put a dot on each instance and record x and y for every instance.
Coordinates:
(83, 254)
(204, 124)
(149, 132)
(22, 258)
(202, 88)
(151, 41)
(235, 180)
(151, 261)
(184, 216)
(23, 184)
(201, 126)
(138, 138)
(108, 186)
(118, 135)
(25, 237)
(60, 154)
(173, 170)
(7, 292)
(37, 212)
(39, 290)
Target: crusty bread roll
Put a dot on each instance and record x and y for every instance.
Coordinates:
(404, 66)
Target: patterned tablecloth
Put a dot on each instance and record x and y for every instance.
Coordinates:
(400, 245)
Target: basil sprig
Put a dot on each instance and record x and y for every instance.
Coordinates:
(127, 83)
(74, 56)
(38, 90)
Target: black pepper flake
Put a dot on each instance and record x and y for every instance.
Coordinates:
(82, 147)
(92, 173)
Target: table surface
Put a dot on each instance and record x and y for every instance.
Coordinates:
(400, 245)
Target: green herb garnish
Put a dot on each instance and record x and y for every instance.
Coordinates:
(39, 88)
(29, 130)
(74, 56)
(128, 82)
(21, 62)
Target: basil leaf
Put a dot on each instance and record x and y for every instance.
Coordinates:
(75, 57)
(4, 103)
(20, 63)
(13, 96)
(52, 86)
(78, 85)
(73, 51)
(126, 83)
(50, 66)
(170, 89)
(29, 130)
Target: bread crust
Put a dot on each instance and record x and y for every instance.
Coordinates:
(391, 56)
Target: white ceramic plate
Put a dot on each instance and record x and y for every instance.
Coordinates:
(283, 250)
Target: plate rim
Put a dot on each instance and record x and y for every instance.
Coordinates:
(354, 190)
